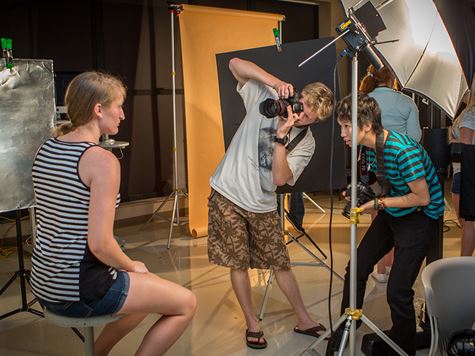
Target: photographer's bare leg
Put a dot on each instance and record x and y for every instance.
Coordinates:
(242, 289)
(288, 285)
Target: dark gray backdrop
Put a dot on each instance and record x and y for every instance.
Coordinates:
(284, 65)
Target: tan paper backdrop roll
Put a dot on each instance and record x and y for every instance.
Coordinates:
(204, 32)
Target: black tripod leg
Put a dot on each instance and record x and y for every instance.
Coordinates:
(10, 281)
(302, 231)
(36, 312)
(22, 274)
(315, 244)
(13, 312)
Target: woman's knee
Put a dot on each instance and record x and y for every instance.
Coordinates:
(185, 301)
(189, 302)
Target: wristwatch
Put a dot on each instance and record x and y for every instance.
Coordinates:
(282, 141)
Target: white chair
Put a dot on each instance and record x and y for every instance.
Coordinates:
(86, 323)
(449, 288)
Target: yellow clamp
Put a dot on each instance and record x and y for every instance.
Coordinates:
(355, 215)
(355, 314)
(344, 25)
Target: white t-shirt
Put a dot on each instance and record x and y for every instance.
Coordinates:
(244, 175)
(467, 121)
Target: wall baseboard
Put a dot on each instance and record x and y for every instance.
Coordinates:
(127, 213)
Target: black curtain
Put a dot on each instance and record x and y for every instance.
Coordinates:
(459, 19)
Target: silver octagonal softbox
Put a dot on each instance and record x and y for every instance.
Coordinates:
(27, 112)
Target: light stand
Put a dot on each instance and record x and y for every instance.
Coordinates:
(22, 274)
(358, 40)
(352, 314)
(177, 192)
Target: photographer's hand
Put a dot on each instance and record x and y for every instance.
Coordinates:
(285, 125)
(281, 172)
(283, 89)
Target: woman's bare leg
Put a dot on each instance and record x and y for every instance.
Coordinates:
(115, 331)
(149, 293)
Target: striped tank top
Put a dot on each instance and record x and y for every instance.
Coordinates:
(63, 267)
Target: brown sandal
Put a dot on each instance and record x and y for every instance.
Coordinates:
(255, 344)
(315, 331)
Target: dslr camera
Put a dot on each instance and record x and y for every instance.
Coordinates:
(364, 193)
(271, 108)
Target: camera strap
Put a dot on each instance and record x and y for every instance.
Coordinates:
(381, 171)
(296, 140)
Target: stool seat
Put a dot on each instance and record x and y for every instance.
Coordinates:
(87, 323)
(73, 322)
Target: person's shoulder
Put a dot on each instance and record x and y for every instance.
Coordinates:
(407, 100)
(401, 141)
(380, 93)
(103, 159)
(309, 136)
(254, 90)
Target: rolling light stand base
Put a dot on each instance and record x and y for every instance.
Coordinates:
(349, 317)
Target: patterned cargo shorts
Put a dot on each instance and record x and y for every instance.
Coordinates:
(241, 239)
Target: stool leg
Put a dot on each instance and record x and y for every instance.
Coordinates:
(89, 343)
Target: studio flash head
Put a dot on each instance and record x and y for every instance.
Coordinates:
(271, 108)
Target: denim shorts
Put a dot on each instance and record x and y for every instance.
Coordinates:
(111, 303)
(456, 183)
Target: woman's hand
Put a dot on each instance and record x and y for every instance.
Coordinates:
(139, 267)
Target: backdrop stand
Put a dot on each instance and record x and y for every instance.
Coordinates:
(22, 274)
(177, 192)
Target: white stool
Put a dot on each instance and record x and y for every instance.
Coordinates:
(86, 323)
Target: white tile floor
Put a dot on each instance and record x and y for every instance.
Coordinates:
(218, 327)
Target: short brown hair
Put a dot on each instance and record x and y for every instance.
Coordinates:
(368, 112)
(319, 99)
(83, 93)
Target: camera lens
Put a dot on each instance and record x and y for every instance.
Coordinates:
(271, 108)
